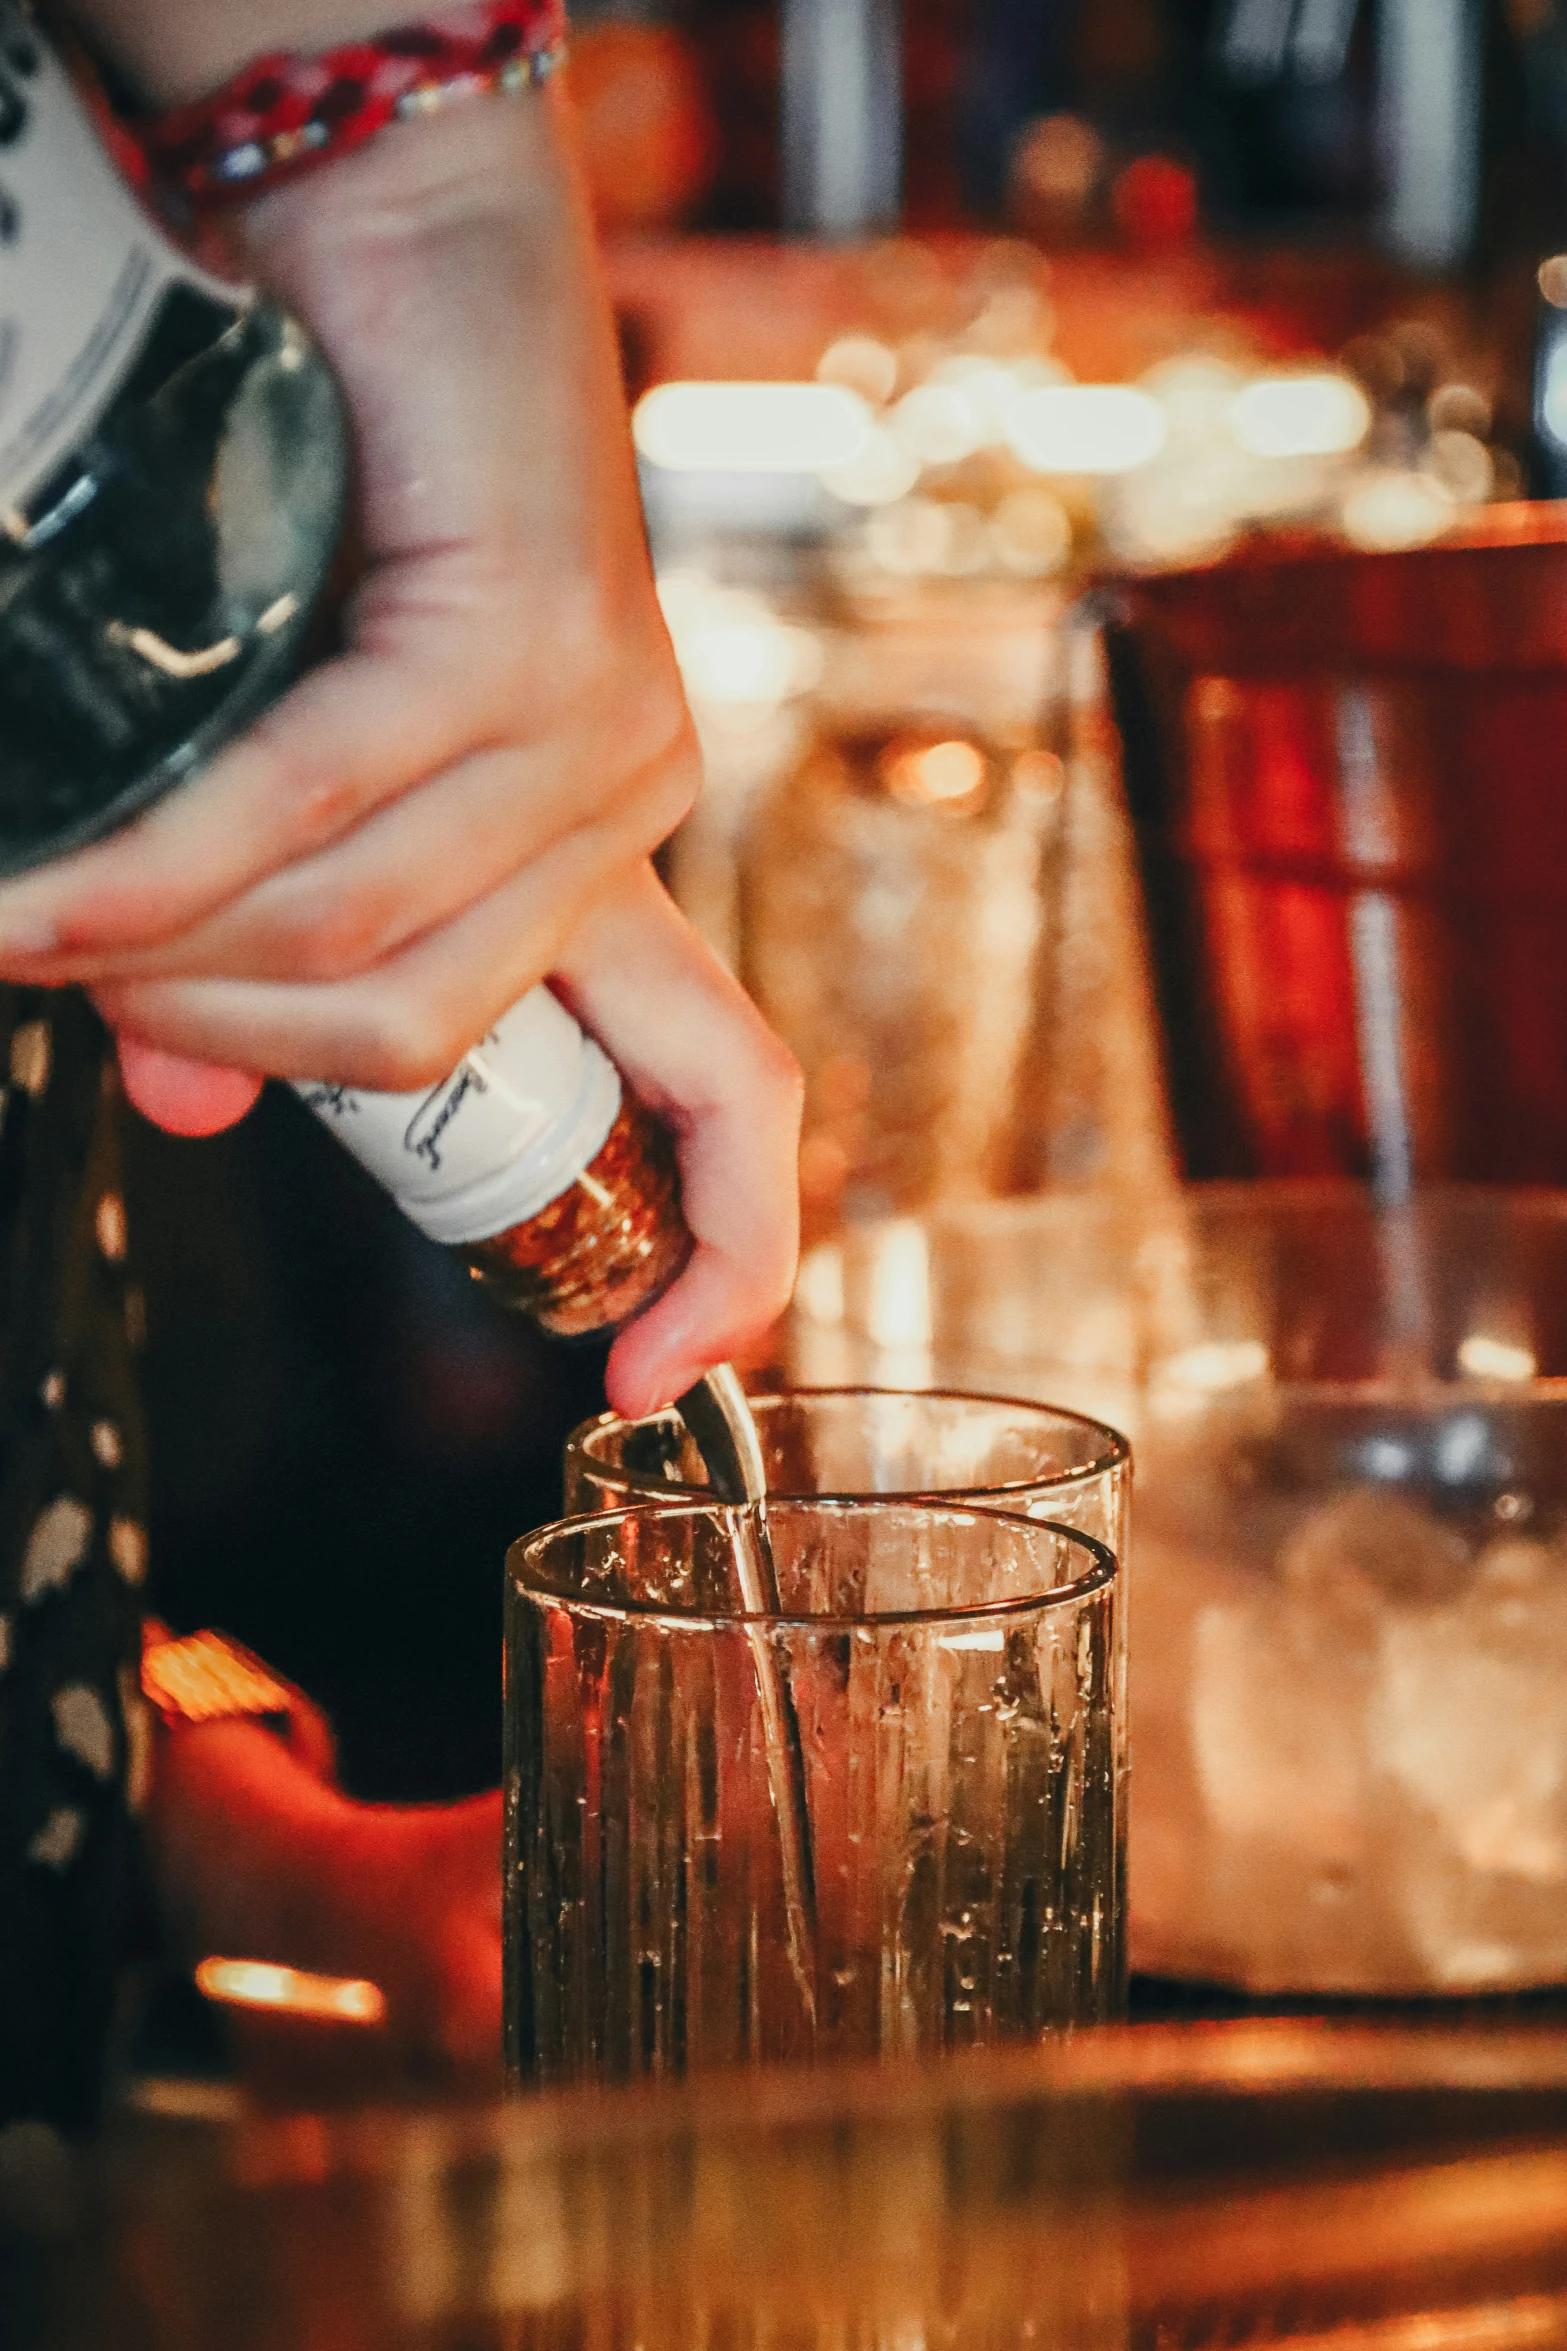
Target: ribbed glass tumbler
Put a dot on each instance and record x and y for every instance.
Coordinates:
(889, 1819)
(998, 1451)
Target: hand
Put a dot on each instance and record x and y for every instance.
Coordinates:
(405, 844)
(410, 1897)
(699, 1054)
(457, 807)
(257, 1859)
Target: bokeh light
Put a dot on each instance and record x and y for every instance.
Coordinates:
(1319, 415)
(1086, 428)
(751, 427)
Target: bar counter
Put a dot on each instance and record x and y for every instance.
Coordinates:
(1250, 2180)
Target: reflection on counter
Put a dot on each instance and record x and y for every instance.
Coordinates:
(1291, 2183)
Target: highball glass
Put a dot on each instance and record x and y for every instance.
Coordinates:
(951, 1681)
(997, 1451)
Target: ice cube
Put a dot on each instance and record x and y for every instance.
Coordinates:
(1287, 1883)
(1471, 1720)
(1470, 1728)
(1365, 1546)
(1275, 1719)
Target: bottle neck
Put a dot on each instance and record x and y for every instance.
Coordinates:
(509, 1131)
(83, 272)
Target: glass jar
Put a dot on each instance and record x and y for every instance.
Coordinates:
(894, 888)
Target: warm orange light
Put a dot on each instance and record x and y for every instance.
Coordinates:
(1220, 1364)
(1484, 1358)
(1320, 415)
(255, 1983)
(937, 773)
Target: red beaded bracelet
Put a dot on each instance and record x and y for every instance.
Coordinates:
(283, 113)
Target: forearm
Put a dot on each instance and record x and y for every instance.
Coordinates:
(253, 1858)
(239, 1835)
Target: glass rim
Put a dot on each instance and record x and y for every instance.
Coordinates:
(1116, 1452)
(1103, 1576)
(1381, 1393)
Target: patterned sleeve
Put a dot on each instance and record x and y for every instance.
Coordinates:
(73, 1557)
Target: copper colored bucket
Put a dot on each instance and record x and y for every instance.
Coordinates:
(1349, 778)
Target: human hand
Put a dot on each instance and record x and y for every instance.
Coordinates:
(403, 846)
(256, 1858)
(454, 808)
(699, 1055)
(408, 1897)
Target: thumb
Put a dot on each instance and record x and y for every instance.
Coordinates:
(184, 1097)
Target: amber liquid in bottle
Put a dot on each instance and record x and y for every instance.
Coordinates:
(611, 1243)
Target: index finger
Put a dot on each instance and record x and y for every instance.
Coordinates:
(351, 735)
(699, 1054)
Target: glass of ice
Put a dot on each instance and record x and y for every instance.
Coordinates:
(1350, 1423)
(952, 1684)
(993, 1450)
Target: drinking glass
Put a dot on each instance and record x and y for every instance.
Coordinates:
(999, 1452)
(888, 1820)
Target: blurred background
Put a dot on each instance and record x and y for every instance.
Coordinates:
(957, 333)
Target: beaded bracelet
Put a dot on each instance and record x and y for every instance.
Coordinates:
(283, 113)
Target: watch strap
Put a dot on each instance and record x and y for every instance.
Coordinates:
(206, 1677)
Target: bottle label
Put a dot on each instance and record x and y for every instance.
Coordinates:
(512, 1128)
(81, 269)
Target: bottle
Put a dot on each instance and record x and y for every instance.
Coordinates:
(172, 469)
(173, 462)
(533, 1163)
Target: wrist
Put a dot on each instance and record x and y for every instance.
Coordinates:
(456, 227)
(490, 158)
(206, 1677)
(169, 55)
(288, 110)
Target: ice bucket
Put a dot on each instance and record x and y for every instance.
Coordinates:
(1348, 1619)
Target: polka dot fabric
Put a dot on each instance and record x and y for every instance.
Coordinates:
(284, 112)
(72, 1558)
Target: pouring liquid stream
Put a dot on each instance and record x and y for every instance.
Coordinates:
(719, 1419)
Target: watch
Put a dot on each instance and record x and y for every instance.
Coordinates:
(206, 1677)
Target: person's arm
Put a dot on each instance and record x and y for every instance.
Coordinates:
(255, 1857)
(466, 802)
(171, 50)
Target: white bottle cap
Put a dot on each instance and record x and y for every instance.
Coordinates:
(512, 1128)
